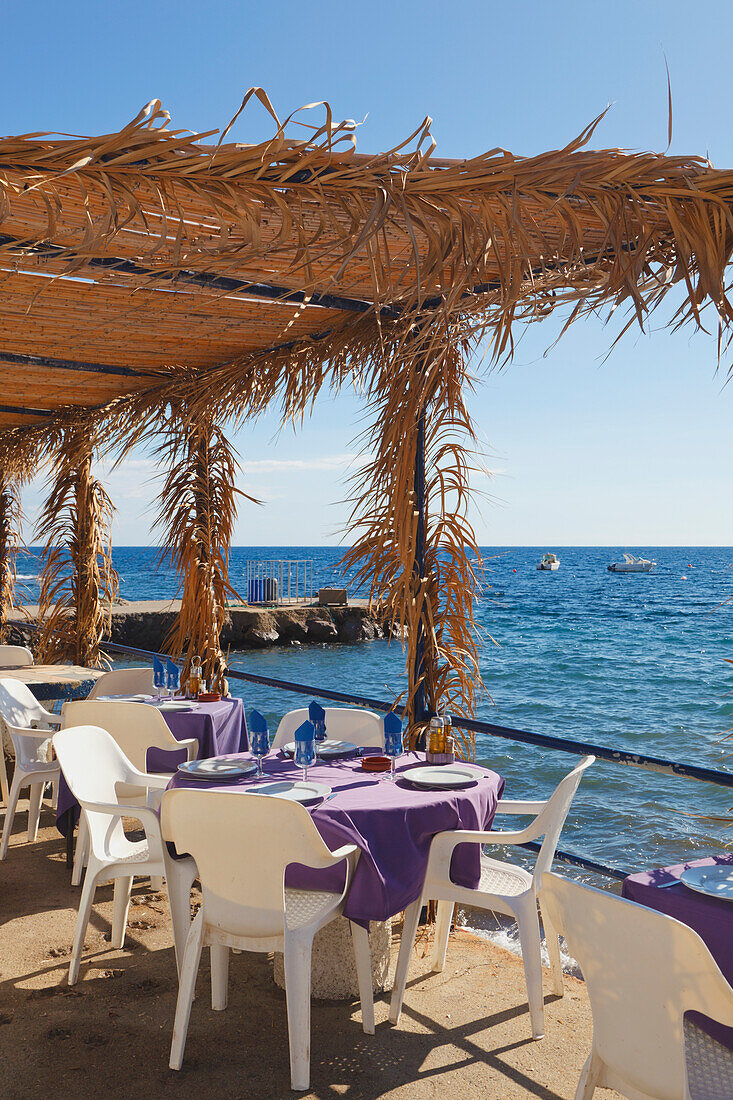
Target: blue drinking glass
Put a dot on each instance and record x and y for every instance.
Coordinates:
(305, 747)
(259, 745)
(393, 746)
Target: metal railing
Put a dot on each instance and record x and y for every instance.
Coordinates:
(576, 748)
(280, 581)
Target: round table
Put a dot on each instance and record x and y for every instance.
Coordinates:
(393, 824)
(54, 681)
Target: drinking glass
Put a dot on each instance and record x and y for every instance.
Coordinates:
(320, 727)
(305, 754)
(393, 748)
(259, 744)
(172, 677)
(158, 677)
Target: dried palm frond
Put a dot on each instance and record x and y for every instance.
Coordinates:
(432, 605)
(11, 542)
(78, 583)
(197, 513)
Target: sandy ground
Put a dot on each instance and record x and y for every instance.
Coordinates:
(463, 1033)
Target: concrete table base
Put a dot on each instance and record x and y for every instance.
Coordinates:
(333, 976)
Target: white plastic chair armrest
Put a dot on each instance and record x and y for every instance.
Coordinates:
(345, 852)
(53, 721)
(513, 806)
(39, 734)
(441, 848)
(113, 809)
(155, 782)
(191, 745)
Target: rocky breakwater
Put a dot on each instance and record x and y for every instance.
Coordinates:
(145, 625)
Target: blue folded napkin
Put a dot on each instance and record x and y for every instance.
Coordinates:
(257, 722)
(392, 723)
(316, 713)
(158, 672)
(172, 675)
(306, 732)
(392, 734)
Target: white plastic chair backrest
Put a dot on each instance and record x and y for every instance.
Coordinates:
(123, 681)
(643, 971)
(15, 656)
(135, 727)
(552, 818)
(242, 844)
(19, 706)
(361, 727)
(21, 710)
(93, 766)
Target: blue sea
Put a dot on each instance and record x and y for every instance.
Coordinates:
(632, 661)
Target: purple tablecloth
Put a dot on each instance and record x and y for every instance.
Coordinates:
(711, 918)
(393, 825)
(219, 728)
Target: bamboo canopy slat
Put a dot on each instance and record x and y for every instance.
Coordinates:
(182, 273)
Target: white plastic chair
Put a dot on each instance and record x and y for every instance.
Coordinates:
(93, 766)
(135, 727)
(29, 726)
(643, 971)
(247, 906)
(123, 681)
(15, 656)
(504, 888)
(361, 727)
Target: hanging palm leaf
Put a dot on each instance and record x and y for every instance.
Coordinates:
(78, 582)
(11, 542)
(198, 510)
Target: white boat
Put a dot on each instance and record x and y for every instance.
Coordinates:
(632, 564)
(549, 562)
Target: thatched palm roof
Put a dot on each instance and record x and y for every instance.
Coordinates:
(137, 252)
(152, 280)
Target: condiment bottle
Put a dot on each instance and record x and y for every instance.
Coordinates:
(195, 678)
(435, 740)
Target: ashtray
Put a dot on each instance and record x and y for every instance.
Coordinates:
(209, 697)
(375, 763)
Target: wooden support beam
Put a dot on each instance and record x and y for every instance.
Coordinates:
(202, 279)
(70, 364)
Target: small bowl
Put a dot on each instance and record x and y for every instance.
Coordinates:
(376, 763)
(209, 697)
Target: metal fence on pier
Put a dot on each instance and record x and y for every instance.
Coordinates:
(559, 744)
(280, 581)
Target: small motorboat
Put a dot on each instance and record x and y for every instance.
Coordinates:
(632, 564)
(549, 562)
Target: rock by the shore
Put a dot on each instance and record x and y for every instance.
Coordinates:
(146, 623)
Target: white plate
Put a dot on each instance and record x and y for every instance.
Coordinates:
(716, 881)
(442, 777)
(174, 704)
(296, 790)
(328, 749)
(214, 769)
(123, 699)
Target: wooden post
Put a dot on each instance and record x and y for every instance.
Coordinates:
(10, 520)
(419, 702)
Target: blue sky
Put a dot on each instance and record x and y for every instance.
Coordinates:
(634, 450)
